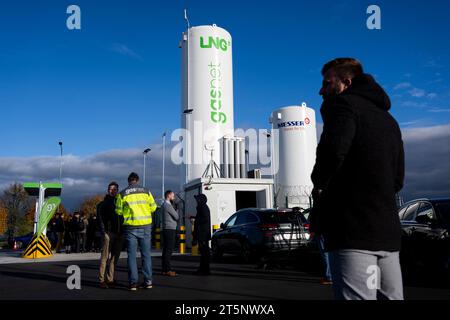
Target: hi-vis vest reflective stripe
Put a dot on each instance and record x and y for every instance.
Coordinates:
(136, 205)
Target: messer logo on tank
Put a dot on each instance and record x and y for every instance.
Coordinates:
(298, 123)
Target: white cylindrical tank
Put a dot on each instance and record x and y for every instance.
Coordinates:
(207, 95)
(294, 154)
(231, 173)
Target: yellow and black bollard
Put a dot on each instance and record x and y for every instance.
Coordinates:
(39, 247)
(182, 239)
(194, 249)
(215, 227)
(158, 238)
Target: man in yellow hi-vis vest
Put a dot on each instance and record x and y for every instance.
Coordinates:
(136, 205)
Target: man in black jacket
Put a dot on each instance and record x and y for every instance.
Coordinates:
(202, 233)
(111, 228)
(359, 169)
(59, 229)
(77, 226)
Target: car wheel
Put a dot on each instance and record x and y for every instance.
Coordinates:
(246, 253)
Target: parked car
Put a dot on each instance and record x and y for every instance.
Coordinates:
(256, 233)
(22, 241)
(426, 238)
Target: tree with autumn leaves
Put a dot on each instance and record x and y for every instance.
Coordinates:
(89, 205)
(15, 206)
(17, 210)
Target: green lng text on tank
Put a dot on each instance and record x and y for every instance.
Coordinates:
(215, 94)
(215, 42)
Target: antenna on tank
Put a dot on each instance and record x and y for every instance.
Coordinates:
(212, 167)
(186, 18)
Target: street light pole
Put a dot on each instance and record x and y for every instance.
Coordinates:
(269, 138)
(61, 161)
(145, 158)
(163, 164)
(247, 161)
(187, 144)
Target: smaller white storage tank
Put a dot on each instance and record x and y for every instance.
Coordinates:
(294, 154)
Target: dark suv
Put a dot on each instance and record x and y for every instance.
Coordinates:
(254, 233)
(426, 238)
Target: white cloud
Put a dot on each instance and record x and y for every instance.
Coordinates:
(432, 63)
(414, 104)
(417, 93)
(410, 123)
(427, 153)
(427, 161)
(125, 51)
(402, 85)
(426, 133)
(84, 176)
(427, 167)
(408, 88)
(439, 110)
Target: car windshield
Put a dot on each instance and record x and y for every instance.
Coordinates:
(281, 217)
(444, 210)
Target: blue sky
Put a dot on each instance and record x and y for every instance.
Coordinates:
(116, 83)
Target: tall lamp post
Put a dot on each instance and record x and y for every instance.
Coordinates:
(187, 144)
(269, 138)
(60, 160)
(247, 161)
(146, 151)
(163, 164)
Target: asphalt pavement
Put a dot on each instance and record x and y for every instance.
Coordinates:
(230, 280)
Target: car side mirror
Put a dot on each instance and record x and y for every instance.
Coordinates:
(223, 226)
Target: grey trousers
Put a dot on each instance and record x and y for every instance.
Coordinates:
(364, 275)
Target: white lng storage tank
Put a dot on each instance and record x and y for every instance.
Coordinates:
(207, 96)
(294, 155)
